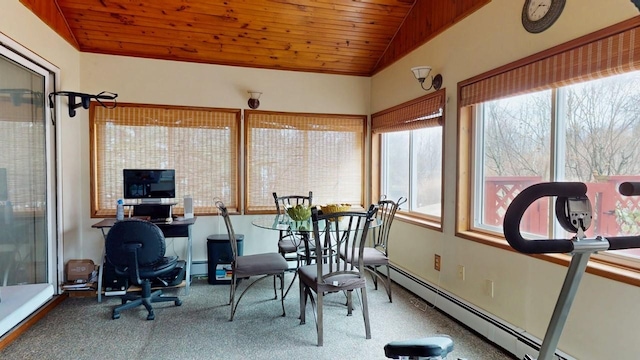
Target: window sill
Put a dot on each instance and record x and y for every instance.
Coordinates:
(422, 222)
(596, 267)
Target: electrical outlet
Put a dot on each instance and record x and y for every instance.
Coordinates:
(436, 262)
(461, 272)
(488, 288)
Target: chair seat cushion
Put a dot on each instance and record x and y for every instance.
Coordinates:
(439, 345)
(260, 264)
(287, 245)
(370, 256)
(164, 266)
(309, 275)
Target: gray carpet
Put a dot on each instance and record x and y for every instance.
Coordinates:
(82, 328)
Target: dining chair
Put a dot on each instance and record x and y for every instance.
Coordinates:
(377, 253)
(290, 244)
(265, 265)
(332, 231)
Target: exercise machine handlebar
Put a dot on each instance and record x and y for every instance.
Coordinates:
(629, 188)
(562, 190)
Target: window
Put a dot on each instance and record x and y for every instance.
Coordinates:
(596, 124)
(290, 153)
(201, 144)
(411, 155)
(567, 114)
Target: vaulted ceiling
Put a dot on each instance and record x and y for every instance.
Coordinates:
(351, 37)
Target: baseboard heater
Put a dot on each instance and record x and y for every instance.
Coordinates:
(199, 268)
(512, 339)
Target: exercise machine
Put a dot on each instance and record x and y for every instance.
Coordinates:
(573, 212)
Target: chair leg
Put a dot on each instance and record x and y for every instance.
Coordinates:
(275, 291)
(349, 302)
(388, 284)
(303, 301)
(281, 276)
(365, 313)
(232, 295)
(295, 275)
(319, 319)
(234, 302)
(375, 276)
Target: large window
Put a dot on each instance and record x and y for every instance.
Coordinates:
(201, 144)
(291, 153)
(595, 125)
(571, 113)
(411, 155)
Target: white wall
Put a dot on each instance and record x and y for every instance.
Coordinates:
(178, 83)
(601, 323)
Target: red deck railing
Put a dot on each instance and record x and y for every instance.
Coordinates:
(604, 196)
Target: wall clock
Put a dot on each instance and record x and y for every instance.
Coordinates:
(539, 15)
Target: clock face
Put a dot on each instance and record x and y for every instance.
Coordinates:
(539, 15)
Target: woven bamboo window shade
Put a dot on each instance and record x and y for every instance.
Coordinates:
(23, 139)
(425, 111)
(612, 51)
(292, 154)
(201, 144)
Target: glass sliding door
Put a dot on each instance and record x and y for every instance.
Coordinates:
(27, 189)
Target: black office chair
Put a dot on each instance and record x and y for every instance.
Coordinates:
(136, 249)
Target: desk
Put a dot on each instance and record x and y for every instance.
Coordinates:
(177, 228)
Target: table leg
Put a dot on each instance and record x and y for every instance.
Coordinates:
(189, 255)
(101, 266)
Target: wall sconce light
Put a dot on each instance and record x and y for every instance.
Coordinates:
(422, 72)
(254, 100)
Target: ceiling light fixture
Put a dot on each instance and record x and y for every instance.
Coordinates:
(422, 72)
(254, 99)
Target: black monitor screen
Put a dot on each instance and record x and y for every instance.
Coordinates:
(149, 183)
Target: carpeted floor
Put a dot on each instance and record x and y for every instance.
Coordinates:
(82, 328)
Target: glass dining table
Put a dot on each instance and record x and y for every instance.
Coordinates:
(303, 229)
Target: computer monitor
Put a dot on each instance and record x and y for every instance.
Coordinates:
(149, 185)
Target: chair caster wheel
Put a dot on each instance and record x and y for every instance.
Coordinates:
(151, 316)
(178, 302)
(115, 316)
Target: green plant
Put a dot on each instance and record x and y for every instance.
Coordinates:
(628, 219)
(299, 213)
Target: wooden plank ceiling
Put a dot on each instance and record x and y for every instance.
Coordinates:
(351, 37)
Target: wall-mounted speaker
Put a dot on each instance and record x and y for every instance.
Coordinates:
(188, 207)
